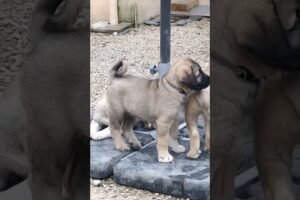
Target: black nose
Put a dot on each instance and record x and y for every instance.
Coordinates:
(203, 83)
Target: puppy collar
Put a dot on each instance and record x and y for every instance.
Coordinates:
(181, 91)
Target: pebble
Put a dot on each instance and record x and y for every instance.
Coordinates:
(96, 182)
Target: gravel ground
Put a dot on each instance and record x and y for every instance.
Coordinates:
(141, 48)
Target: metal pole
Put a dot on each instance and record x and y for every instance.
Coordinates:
(165, 36)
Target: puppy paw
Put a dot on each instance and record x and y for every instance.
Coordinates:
(135, 145)
(165, 159)
(178, 148)
(175, 146)
(207, 148)
(123, 147)
(193, 154)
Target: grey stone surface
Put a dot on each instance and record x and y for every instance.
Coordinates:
(182, 178)
(104, 156)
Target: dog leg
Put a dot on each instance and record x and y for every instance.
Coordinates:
(222, 174)
(129, 134)
(207, 131)
(163, 130)
(274, 144)
(116, 134)
(173, 142)
(275, 172)
(192, 127)
(274, 162)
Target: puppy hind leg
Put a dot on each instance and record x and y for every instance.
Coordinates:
(192, 127)
(116, 133)
(173, 141)
(207, 131)
(129, 134)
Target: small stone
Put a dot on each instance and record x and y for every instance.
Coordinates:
(96, 183)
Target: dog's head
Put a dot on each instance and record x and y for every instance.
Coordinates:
(261, 35)
(188, 76)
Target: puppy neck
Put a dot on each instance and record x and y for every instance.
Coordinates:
(171, 85)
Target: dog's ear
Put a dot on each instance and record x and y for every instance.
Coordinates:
(287, 11)
(185, 73)
(262, 35)
(196, 69)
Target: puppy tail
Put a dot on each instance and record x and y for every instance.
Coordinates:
(57, 14)
(119, 69)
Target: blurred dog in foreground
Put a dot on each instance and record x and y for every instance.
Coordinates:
(55, 97)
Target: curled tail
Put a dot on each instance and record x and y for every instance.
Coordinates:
(119, 69)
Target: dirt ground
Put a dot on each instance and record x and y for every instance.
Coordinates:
(141, 48)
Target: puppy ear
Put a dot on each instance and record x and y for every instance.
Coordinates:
(287, 12)
(196, 69)
(183, 74)
(261, 36)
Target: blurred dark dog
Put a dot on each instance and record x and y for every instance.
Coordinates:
(255, 49)
(55, 97)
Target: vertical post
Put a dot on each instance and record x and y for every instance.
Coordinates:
(113, 12)
(165, 36)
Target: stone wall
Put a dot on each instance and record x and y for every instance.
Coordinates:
(145, 9)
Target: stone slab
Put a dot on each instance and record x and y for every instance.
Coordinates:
(112, 28)
(104, 156)
(182, 178)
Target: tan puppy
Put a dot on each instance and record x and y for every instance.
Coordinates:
(196, 105)
(155, 101)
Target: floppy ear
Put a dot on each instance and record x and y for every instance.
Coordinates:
(262, 35)
(287, 12)
(196, 69)
(184, 74)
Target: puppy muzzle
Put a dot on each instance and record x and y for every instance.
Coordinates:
(204, 82)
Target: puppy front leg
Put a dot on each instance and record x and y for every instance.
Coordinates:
(173, 142)
(163, 130)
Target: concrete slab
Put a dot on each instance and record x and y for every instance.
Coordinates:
(104, 156)
(182, 178)
(112, 28)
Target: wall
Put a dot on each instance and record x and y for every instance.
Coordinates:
(99, 10)
(145, 9)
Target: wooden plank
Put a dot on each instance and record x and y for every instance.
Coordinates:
(198, 11)
(183, 5)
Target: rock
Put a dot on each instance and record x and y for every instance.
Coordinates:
(182, 178)
(104, 155)
(96, 182)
